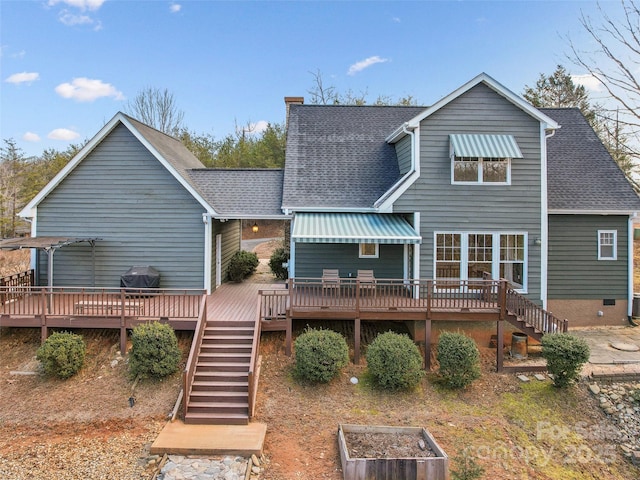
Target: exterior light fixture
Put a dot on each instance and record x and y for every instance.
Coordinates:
(537, 242)
(255, 228)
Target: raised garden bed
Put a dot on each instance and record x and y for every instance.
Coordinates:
(386, 453)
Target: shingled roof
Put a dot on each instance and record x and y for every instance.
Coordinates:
(255, 193)
(581, 174)
(337, 156)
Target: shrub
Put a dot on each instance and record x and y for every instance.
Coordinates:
(154, 352)
(459, 359)
(394, 361)
(468, 468)
(565, 355)
(242, 265)
(62, 354)
(320, 354)
(278, 257)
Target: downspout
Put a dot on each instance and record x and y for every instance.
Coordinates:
(544, 219)
(630, 270)
(208, 245)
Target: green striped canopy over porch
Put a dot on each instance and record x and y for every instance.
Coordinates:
(485, 146)
(353, 228)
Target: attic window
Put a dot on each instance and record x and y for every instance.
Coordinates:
(482, 158)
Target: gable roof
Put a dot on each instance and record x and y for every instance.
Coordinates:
(242, 193)
(337, 158)
(169, 151)
(490, 82)
(582, 176)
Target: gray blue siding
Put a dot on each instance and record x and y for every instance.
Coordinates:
(121, 194)
(477, 208)
(403, 152)
(311, 258)
(574, 269)
(231, 240)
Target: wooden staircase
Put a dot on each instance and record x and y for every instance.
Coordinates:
(219, 392)
(530, 318)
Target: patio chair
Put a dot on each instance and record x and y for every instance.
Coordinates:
(367, 280)
(330, 278)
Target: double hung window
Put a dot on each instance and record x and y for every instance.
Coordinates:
(468, 255)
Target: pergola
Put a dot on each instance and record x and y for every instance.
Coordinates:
(50, 245)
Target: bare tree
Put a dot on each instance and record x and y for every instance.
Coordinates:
(614, 63)
(157, 108)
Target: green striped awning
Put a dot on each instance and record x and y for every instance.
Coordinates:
(353, 228)
(486, 146)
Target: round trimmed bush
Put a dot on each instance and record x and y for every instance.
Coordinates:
(565, 355)
(62, 354)
(459, 359)
(278, 257)
(320, 355)
(154, 352)
(394, 361)
(242, 265)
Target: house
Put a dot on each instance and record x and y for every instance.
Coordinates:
(478, 182)
(144, 199)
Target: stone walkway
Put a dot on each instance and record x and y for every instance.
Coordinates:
(607, 362)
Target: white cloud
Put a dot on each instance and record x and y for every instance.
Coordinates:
(81, 4)
(366, 63)
(396, 20)
(87, 90)
(24, 77)
(175, 7)
(588, 81)
(69, 19)
(63, 134)
(31, 137)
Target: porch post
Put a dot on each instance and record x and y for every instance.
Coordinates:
(427, 344)
(500, 346)
(356, 347)
(288, 334)
(123, 326)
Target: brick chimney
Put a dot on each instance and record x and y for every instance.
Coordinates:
(288, 101)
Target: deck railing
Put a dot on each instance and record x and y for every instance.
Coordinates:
(533, 315)
(190, 367)
(407, 295)
(353, 297)
(101, 302)
(254, 366)
(9, 291)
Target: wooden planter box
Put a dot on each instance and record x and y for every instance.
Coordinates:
(413, 468)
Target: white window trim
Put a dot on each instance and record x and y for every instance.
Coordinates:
(615, 245)
(375, 255)
(495, 264)
(480, 173)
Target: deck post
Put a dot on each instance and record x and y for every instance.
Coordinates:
(288, 334)
(500, 346)
(356, 338)
(44, 331)
(123, 325)
(427, 344)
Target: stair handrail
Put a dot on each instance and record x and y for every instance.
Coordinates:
(533, 314)
(254, 364)
(190, 367)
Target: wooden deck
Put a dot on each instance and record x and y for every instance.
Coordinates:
(401, 300)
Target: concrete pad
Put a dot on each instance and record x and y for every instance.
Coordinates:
(179, 438)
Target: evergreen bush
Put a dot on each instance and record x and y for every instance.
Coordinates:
(565, 355)
(278, 257)
(459, 359)
(62, 354)
(154, 351)
(394, 361)
(320, 355)
(242, 265)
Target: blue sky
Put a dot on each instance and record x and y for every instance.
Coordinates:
(67, 66)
